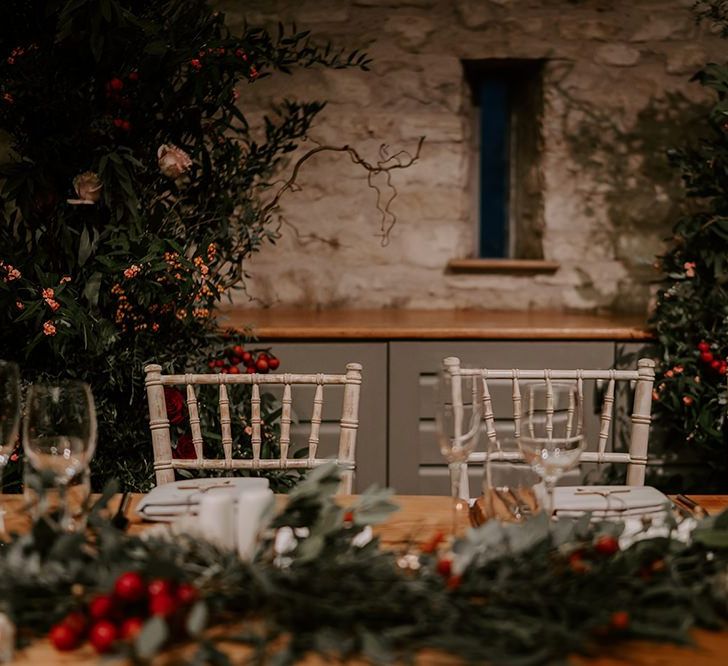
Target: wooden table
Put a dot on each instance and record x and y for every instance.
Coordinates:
(395, 324)
(418, 518)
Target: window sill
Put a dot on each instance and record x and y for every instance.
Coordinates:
(512, 266)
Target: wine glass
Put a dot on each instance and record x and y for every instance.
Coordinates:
(552, 436)
(59, 435)
(458, 425)
(9, 418)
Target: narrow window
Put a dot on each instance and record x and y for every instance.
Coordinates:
(508, 102)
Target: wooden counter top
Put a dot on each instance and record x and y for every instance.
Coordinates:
(291, 324)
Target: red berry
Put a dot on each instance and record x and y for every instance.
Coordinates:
(160, 586)
(576, 562)
(606, 545)
(196, 64)
(261, 364)
(706, 357)
(116, 84)
(431, 545)
(220, 363)
(234, 370)
(130, 587)
(619, 620)
(703, 346)
(102, 636)
(131, 627)
(723, 368)
(349, 517)
(454, 582)
(250, 369)
(76, 621)
(247, 358)
(118, 122)
(126, 125)
(64, 638)
(225, 370)
(162, 604)
(273, 363)
(715, 365)
(238, 350)
(212, 364)
(101, 607)
(444, 567)
(234, 360)
(187, 594)
(133, 76)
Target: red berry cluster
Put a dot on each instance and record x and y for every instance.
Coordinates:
(117, 94)
(109, 618)
(579, 560)
(253, 361)
(719, 366)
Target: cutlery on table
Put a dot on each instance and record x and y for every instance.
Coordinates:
(692, 506)
(119, 519)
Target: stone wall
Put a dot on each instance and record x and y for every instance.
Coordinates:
(616, 96)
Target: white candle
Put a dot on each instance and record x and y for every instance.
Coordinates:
(7, 639)
(252, 505)
(216, 519)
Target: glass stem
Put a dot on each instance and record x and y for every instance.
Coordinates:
(550, 483)
(65, 519)
(456, 469)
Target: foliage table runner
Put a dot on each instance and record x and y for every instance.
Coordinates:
(418, 518)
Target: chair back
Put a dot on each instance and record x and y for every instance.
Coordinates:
(165, 463)
(636, 455)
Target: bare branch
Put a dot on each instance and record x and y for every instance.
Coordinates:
(385, 165)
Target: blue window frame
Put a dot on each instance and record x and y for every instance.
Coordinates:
(493, 100)
(507, 96)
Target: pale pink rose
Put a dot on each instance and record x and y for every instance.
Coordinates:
(173, 161)
(689, 267)
(88, 188)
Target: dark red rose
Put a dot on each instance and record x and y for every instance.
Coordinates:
(176, 405)
(185, 448)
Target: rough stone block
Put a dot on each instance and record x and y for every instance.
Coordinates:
(410, 31)
(619, 55)
(686, 59)
(474, 13)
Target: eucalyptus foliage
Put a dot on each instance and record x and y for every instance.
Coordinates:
(111, 256)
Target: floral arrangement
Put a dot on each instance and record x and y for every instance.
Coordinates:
(691, 316)
(134, 188)
(507, 593)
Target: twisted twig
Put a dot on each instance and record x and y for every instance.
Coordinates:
(386, 164)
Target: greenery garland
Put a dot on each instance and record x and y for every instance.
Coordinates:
(506, 593)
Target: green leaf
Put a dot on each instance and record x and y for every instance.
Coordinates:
(151, 638)
(197, 619)
(84, 247)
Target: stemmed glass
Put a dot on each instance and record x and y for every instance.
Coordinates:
(552, 436)
(59, 435)
(9, 418)
(458, 424)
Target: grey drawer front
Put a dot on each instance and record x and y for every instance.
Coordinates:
(371, 448)
(416, 465)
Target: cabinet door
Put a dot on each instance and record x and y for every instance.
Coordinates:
(371, 447)
(415, 463)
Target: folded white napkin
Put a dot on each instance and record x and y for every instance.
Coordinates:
(609, 501)
(171, 500)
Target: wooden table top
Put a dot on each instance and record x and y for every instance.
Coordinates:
(390, 324)
(417, 520)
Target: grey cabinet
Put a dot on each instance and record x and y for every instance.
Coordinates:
(415, 463)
